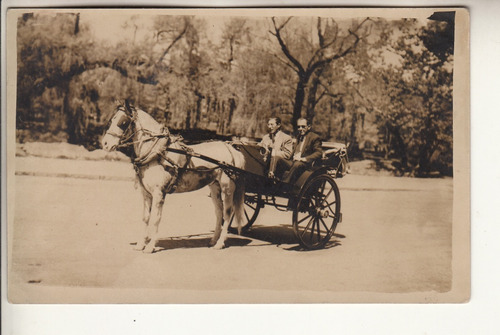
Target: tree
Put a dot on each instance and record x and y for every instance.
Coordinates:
(418, 111)
(51, 50)
(55, 50)
(308, 54)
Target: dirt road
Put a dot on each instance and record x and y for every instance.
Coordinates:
(72, 236)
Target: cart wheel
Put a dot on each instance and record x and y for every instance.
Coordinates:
(253, 203)
(317, 212)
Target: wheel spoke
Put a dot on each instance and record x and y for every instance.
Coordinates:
(303, 219)
(312, 230)
(319, 230)
(310, 201)
(316, 200)
(305, 229)
(248, 204)
(323, 187)
(329, 206)
(246, 214)
(330, 192)
(324, 225)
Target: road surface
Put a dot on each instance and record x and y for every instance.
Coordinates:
(76, 221)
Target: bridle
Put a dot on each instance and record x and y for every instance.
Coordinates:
(127, 134)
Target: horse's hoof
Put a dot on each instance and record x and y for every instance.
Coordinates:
(149, 249)
(218, 246)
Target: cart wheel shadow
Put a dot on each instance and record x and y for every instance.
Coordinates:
(284, 235)
(195, 241)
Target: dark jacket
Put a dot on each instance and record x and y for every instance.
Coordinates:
(312, 147)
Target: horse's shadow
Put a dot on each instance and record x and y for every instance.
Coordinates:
(282, 235)
(196, 241)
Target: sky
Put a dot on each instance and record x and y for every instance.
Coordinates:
(109, 25)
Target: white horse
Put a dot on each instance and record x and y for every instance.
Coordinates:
(160, 172)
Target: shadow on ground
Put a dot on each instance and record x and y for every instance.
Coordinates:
(284, 235)
(190, 242)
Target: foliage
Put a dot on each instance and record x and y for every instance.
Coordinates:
(384, 86)
(418, 111)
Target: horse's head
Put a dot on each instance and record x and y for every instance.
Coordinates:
(119, 124)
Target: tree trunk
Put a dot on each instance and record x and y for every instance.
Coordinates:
(222, 114)
(197, 118)
(428, 139)
(299, 101)
(71, 122)
(77, 24)
(188, 119)
(329, 132)
(399, 147)
(232, 107)
(311, 99)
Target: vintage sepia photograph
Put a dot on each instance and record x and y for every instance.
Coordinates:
(213, 156)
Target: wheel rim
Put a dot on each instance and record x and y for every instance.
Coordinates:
(317, 212)
(251, 209)
(253, 203)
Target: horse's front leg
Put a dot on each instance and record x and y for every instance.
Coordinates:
(215, 195)
(143, 237)
(157, 200)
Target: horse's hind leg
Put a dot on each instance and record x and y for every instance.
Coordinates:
(228, 188)
(158, 198)
(215, 195)
(143, 238)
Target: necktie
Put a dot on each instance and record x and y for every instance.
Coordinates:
(300, 144)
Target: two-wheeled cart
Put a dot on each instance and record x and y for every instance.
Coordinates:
(314, 197)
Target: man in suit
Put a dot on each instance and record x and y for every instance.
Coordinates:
(306, 149)
(278, 145)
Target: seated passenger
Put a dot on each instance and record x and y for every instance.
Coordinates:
(306, 149)
(276, 144)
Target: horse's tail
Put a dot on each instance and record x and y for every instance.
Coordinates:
(239, 203)
(238, 160)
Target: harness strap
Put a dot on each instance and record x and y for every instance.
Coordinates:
(148, 157)
(178, 170)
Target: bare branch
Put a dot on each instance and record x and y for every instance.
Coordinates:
(323, 94)
(177, 38)
(286, 63)
(322, 44)
(320, 35)
(284, 48)
(341, 53)
(327, 92)
(284, 23)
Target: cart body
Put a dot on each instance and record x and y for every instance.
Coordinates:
(314, 197)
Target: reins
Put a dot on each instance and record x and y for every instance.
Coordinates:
(161, 153)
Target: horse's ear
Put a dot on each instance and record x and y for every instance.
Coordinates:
(128, 109)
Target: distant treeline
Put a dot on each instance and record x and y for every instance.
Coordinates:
(384, 86)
